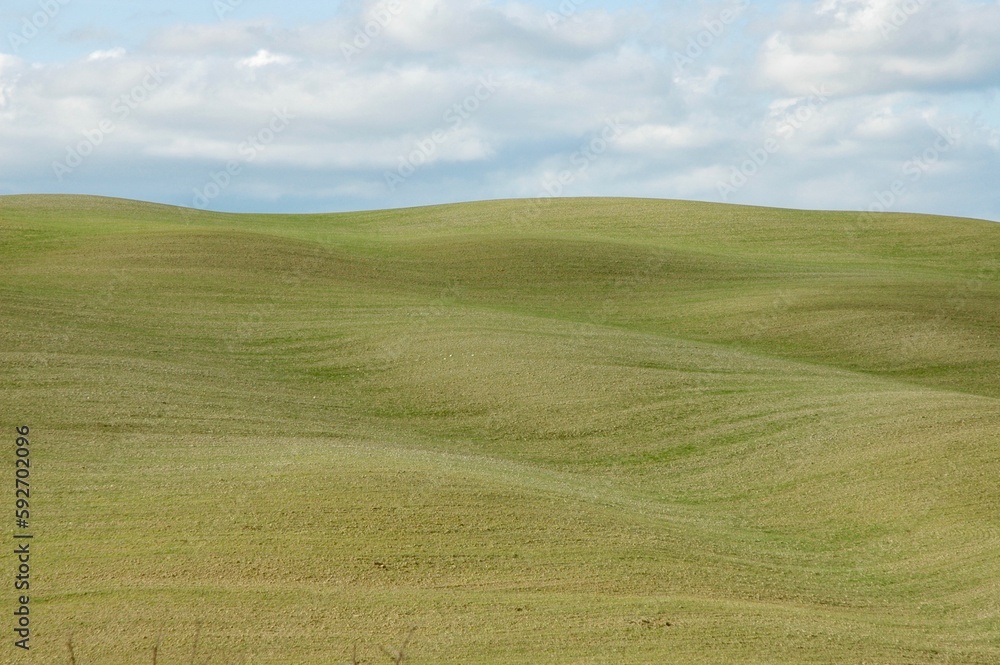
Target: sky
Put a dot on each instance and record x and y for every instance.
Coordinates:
(265, 106)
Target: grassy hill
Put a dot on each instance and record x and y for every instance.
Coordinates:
(589, 431)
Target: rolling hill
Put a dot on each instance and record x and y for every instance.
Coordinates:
(570, 431)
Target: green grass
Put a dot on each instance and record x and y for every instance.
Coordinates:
(597, 431)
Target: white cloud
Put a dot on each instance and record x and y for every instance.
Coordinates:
(110, 54)
(10, 67)
(882, 46)
(655, 137)
(263, 58)
(556, 87)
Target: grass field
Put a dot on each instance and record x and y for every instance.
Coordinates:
(592, 431)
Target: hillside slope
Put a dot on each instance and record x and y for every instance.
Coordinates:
(589, 431)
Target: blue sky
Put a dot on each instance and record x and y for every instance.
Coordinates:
(257, 105)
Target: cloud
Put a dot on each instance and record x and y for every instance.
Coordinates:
(110, 54)
(10, 67)
(884, 46)
(228, 38)
(409, 94)
(263, 58)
